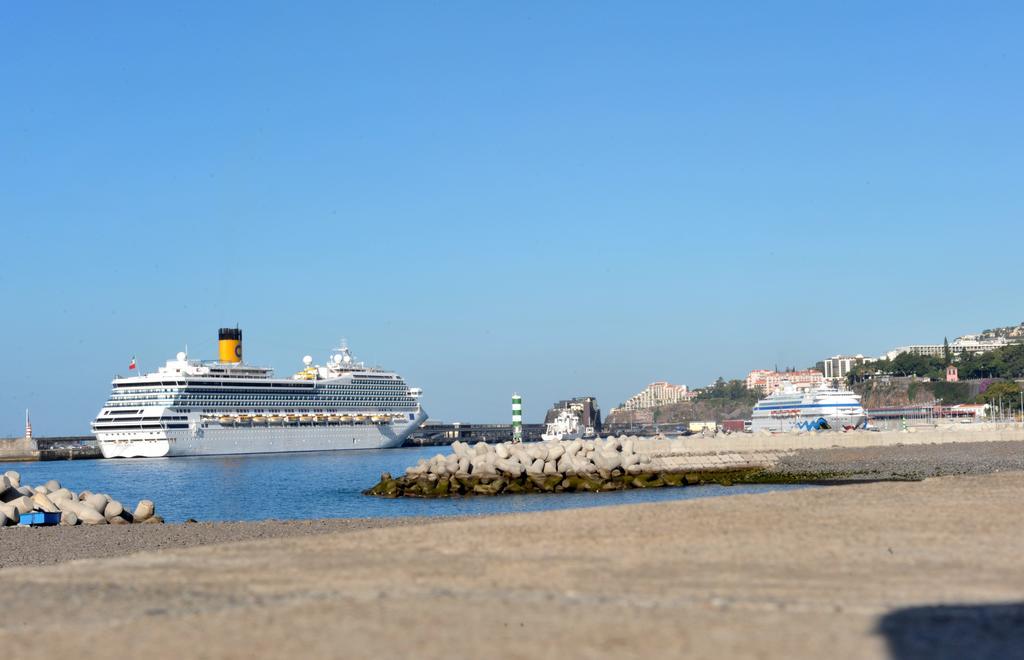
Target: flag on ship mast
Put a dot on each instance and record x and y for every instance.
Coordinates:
(131, 365)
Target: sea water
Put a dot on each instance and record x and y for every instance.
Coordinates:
(308, 485)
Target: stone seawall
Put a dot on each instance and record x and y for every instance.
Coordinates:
(644, 462)
(980, 432)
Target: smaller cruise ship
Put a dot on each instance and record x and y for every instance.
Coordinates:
(565, 427)
(819, 409)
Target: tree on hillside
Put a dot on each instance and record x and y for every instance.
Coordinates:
(1007, 390)
(911, 364)
(1005, 362)
(946, 353)
(733, 390)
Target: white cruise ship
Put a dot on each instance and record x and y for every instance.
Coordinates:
(190, 407)
(822, 408)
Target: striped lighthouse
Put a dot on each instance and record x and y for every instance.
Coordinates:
(517, 418)
(28, 426)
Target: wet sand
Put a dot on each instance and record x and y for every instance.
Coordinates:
(905, 569)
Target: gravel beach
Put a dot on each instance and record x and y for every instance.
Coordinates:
(926, 569)
(40, 546)
(53, 545)
(906, 461)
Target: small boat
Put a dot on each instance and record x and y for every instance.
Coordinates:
(259, 419)
(565, 427)
(305, 419)
(276, 419)
(226, 420)
(333, 418)
(293, 419)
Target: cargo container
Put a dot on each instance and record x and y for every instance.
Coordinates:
(734, 425)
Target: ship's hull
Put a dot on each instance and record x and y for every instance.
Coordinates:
(217, 440)
(809, 420)
(560, 437)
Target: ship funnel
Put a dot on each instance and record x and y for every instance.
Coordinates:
(230, 342)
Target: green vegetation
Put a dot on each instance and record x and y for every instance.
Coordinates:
(1007, 390)
(951, 393)
(1006, 362)
(734, 391)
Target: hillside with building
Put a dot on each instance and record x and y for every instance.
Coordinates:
(964, 373)
(1012, 333)
(662, 403)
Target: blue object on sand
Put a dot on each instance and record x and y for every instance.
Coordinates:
(39, 518)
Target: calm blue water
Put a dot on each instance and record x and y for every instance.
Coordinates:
(308, 485)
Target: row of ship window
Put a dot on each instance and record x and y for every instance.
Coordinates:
(382, 404)
(366, 387)
(255, 397)
(256, 400)
(270, 411)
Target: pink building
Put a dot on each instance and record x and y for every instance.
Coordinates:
(769, 381)
(952, 374)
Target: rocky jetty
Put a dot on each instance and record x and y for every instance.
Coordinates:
(85, 508)
(552, 467)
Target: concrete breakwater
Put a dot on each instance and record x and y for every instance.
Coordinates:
(59, 448)
(568, 466)
(645, 462)
(86, 508)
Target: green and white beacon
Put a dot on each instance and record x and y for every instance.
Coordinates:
(517, 418)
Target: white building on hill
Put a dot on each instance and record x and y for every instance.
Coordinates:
(658, 394)
(768, 381)
(957, 347)
(838, 366)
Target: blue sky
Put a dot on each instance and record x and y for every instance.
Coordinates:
(554, 198)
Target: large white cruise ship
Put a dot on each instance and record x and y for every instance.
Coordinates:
(190, 407)
(822, 408)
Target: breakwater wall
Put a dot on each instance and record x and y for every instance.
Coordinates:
(644, 462)
(952, 433)
(18, 449)
(57, 448)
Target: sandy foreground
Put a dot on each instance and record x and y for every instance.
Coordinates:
(923, 569)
